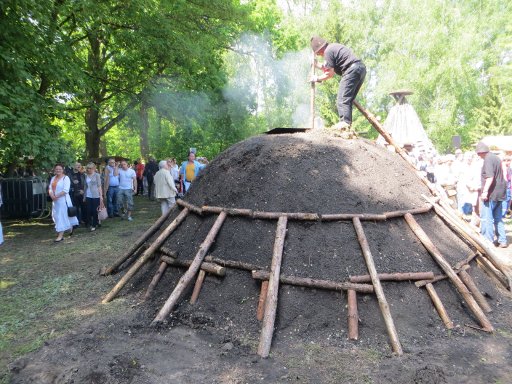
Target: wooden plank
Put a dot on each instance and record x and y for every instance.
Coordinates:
(381, 298)
(267, 330)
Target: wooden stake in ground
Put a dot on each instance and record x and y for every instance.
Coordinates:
(197, 287)
(269, 317)
(353, 317)
(262, 300)
(461, 288)
(438, 304)
(138, 243)
(192, 270)
(146, 255)
(383, 304)
(156, 279)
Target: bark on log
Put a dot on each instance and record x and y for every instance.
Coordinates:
(138, 243)
(461, 288)
(470, 283)
(351, 216)
(260, 312)
(399, 276)
(192, 270)
(438, 304)
(304, 216)
(158, 275)
(269, 317)
(212, 268)
(210, 209)
(197, 286)
(233, 264)
(268, 215)
(422, 283)
(415, 211)
(315, 283)
(383, 304)
(148, 253)
(189, 206)
(353, 317)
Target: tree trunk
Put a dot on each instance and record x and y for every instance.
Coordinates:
(93, 134)
(144, 128)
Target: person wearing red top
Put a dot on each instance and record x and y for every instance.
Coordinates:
(139, 171)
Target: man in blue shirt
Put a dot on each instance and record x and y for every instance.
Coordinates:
(190, 169)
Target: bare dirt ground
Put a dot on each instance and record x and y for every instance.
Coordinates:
(52, 293)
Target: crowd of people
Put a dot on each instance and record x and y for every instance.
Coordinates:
(81, 195)
(477, 182)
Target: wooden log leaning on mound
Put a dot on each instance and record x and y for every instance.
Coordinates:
(459, 285)
(158, 275)
(148, 253)
(399, 276)
(438, 304)
(475, 239)
(138, 243)
(197, 286)
(191, 271)
(269, 317)
(381, 298)
(315, 283)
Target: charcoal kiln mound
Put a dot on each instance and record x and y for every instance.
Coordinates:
(266, 178)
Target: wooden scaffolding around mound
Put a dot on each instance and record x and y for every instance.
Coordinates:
(140, 253)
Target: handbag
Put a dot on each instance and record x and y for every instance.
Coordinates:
(72, 211)
(102, 213)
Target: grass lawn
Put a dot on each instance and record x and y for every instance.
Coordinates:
(46, 289)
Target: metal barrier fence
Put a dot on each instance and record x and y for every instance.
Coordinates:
(23, 198)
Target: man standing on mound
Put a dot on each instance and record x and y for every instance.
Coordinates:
(340, 60)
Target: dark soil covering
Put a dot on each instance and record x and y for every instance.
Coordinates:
(322, 174)
(215, 340)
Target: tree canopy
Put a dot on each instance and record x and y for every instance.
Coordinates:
(156, 77)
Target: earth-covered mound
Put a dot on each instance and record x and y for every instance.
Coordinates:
(314, 172)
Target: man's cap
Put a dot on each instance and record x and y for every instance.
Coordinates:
(317, 43)
(481, 147)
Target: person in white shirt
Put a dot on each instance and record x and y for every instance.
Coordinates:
(127, 187)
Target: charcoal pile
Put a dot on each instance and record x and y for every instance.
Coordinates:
(313, 237)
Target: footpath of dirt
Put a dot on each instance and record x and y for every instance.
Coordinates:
(216, 339)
